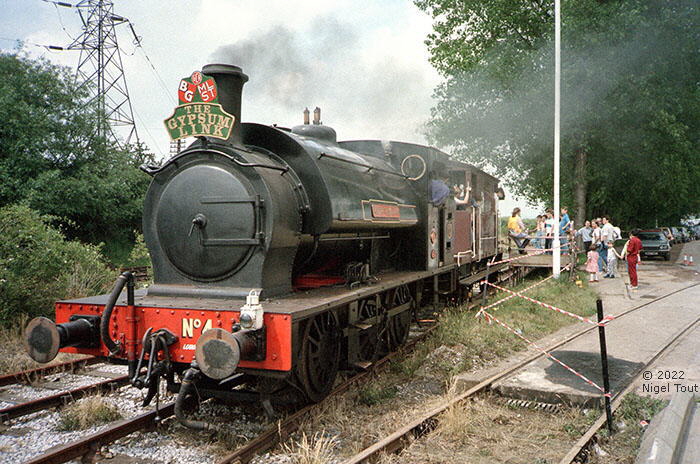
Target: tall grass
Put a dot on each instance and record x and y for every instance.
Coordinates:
(481, 342)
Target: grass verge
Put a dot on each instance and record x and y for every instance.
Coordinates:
(623, 445)
(465, 343)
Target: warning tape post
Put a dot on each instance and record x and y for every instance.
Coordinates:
(600, 323)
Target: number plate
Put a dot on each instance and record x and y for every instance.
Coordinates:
(651, 252)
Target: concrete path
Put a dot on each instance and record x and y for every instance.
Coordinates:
(672, 437)
(633, 340)
(690, 452)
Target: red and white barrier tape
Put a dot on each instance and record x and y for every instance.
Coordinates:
(548, 354)
(605, 320)
(503, 300)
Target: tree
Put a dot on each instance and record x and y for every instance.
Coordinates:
(39, 266)
(630, 106)
(51, 159)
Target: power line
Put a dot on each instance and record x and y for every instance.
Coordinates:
(60, 20)
(153, 139)
(139, 45)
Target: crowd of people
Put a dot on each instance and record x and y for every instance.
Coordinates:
(544, 231)
(597, 239)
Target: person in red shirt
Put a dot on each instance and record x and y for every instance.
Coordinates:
(634, 246)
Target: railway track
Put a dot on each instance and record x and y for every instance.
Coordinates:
(87, 446)
(61, 396)
(580, 449)
(427, 422)
(33, 374)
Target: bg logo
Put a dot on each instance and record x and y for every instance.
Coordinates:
(189, 324)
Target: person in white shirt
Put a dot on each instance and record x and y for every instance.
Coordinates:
(607, 234)
(608, 231)
(548, 230)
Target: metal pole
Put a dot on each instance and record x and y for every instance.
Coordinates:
(604, 361)
(556, 257)
(485, 291)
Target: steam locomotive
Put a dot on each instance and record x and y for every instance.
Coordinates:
(281, 256)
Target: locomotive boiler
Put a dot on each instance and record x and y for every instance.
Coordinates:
(281, 256)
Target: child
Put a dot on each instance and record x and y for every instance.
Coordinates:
(612, 261)
(592, 264)
(539, 240)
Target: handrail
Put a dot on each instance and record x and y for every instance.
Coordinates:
(153, 170)
(362, 165)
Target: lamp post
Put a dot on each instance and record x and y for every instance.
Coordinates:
(556, 253)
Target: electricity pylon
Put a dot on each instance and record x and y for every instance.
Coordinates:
(100, 66)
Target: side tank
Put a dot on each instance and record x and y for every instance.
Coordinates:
(347, 191)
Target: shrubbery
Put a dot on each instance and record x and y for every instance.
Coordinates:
(139, 253)
(39, 266)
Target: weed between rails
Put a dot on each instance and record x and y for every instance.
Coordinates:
(88, 412)
(318, 449)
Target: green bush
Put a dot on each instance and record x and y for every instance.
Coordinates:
(139, 255)
(39, 266)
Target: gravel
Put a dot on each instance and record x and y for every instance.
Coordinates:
(67, 381)
(22, 393)
(156, 447)
(31, 435)
(268, 458)
(111, 368)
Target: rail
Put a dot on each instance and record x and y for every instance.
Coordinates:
(88, 446)
(428, 421)
(61, 398)
(31, 374)
(587, 438)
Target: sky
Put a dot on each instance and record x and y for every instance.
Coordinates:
(364, 64)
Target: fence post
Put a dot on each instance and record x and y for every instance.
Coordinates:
(604, 360)
(485, 292)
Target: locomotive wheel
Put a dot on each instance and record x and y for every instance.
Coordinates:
(400, 324)
(370, 338)
(320, 356)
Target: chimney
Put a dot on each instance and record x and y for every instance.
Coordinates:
(229, 82)
(306, 116)
(317, 116)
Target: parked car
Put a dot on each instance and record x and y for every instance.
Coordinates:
(693, 233)
(669, 235)
(655, 243)
(686, 234)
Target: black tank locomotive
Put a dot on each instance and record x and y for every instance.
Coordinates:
(281, 256)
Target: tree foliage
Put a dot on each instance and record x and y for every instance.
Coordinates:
(39, 266)
(630, 99)
(51, 159)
